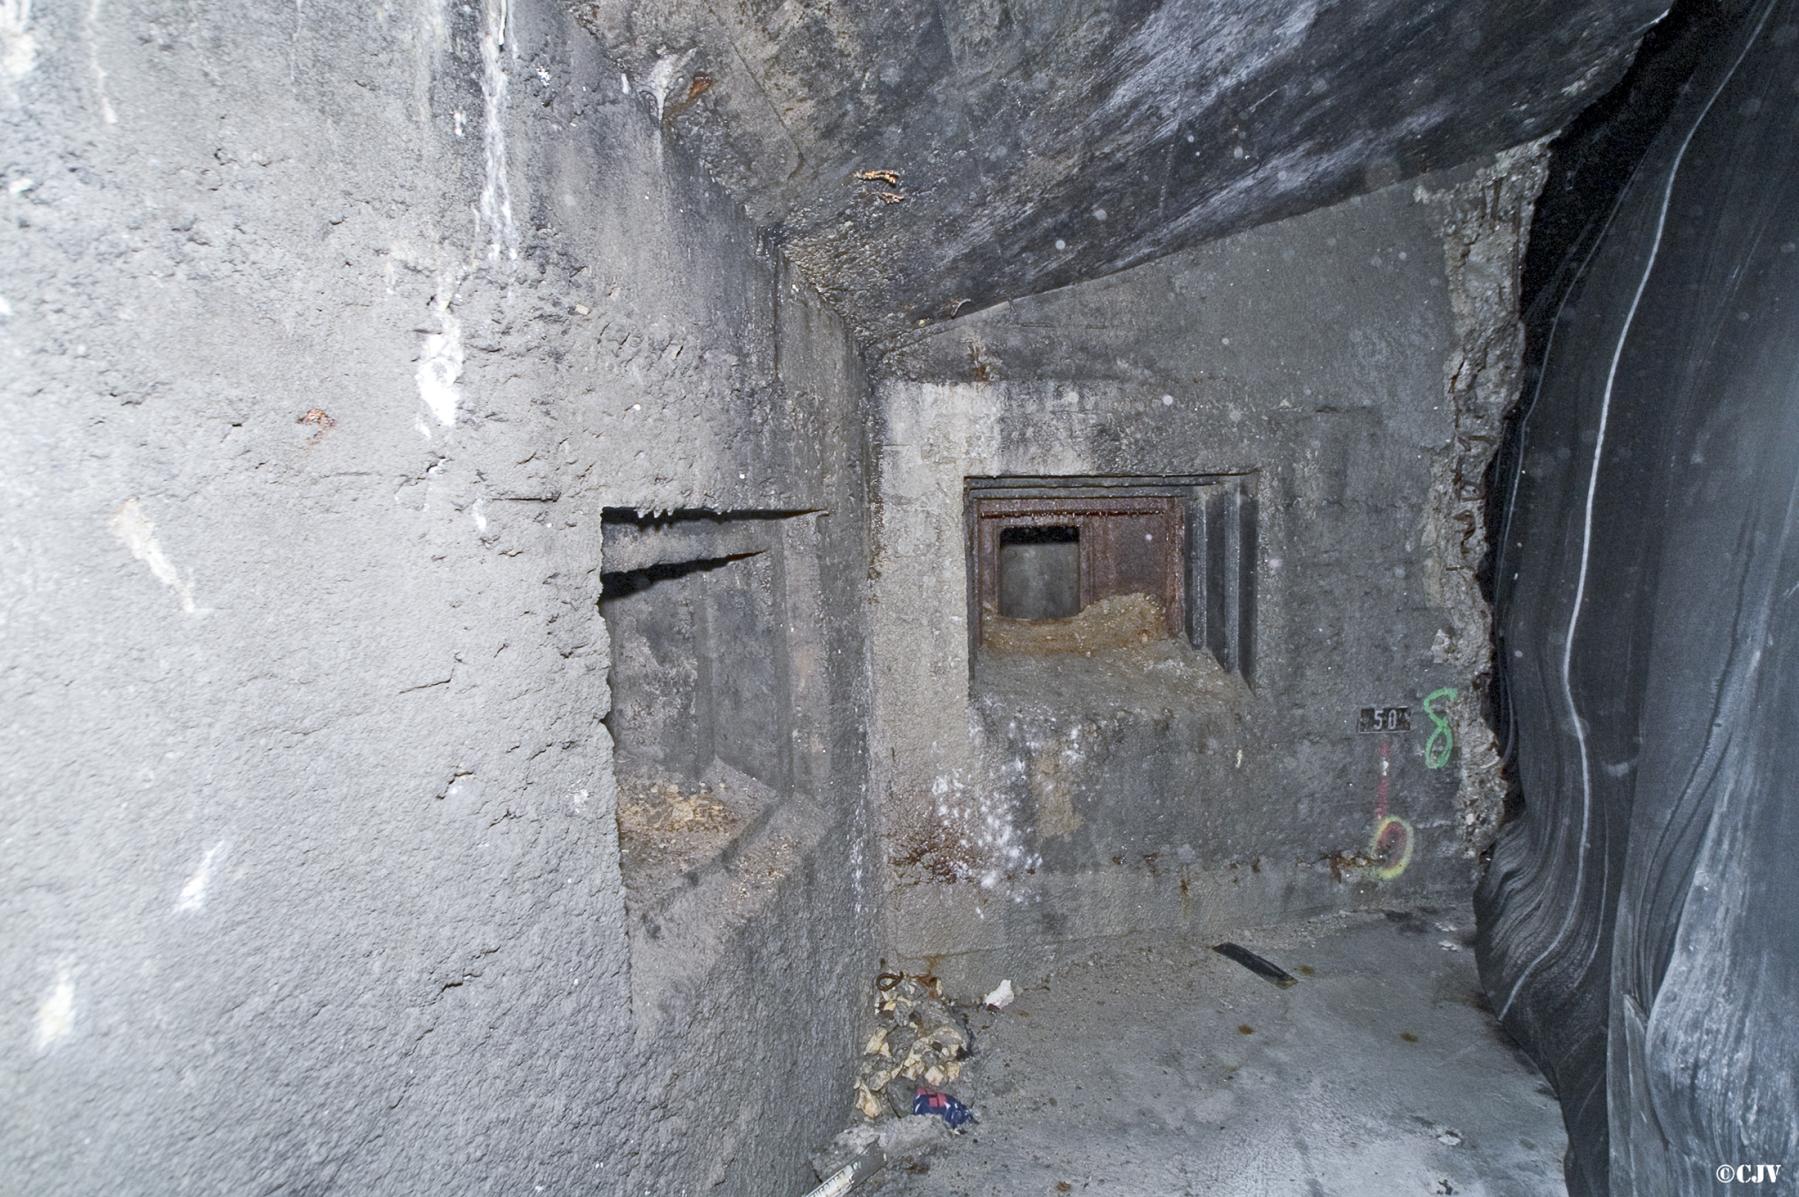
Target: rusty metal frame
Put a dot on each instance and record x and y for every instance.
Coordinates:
(1087, 513)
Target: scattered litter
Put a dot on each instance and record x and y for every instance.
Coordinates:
(849, 1175)
(861, 1151)
(917, 1047)
(1001, 997)
(919, 1039)
(1272, 973)
(889, 177)
(942, 1105)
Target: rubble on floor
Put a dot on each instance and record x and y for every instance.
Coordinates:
(920, 1040)
(672, 823)
(1169, 1068)
(1118, 621)
(860, 1151)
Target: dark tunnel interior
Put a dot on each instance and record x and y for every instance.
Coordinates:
(940, 598)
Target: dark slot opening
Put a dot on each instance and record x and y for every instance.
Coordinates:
(1040, 572)
(615, 584)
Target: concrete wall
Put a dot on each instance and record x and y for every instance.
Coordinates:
(328, 330)
(1334, 356)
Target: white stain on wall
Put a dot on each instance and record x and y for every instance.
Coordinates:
(981, 823)
(18, 45)
(440, 365)
(92, 33)
(56, 1013)
(430, 41)
(137, 532)
(662, 78)
(193, 894)
(496, 190)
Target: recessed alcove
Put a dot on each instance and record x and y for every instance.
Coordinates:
(705, 716)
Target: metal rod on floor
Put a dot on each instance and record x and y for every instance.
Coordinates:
(851, 1174)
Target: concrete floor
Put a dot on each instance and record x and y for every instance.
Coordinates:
(1176, 1071)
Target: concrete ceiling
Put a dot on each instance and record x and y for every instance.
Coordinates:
(1041, 142)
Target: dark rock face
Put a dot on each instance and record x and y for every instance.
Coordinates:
(1636, 922)
(1039, 144)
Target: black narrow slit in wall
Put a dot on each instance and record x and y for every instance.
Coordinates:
(616, 584)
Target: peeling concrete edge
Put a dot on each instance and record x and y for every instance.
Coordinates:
(1485, 220)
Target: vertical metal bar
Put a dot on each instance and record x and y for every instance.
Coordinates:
(1248, 510)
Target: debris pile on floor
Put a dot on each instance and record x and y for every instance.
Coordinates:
(919, 1041)
(1121, 621)
(672, 824)
(861, 1151)
(665, 805)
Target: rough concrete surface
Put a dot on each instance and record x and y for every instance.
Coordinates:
(360, 368)
(1310, 354)
(1036, 143)
(1486, 217)
(1171, 1070)
(327, 332)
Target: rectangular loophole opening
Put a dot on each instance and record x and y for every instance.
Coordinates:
(1065, 575)
(1040, 572)
(1074, 566)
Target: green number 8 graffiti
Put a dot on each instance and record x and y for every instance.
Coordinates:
(1441, 744)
